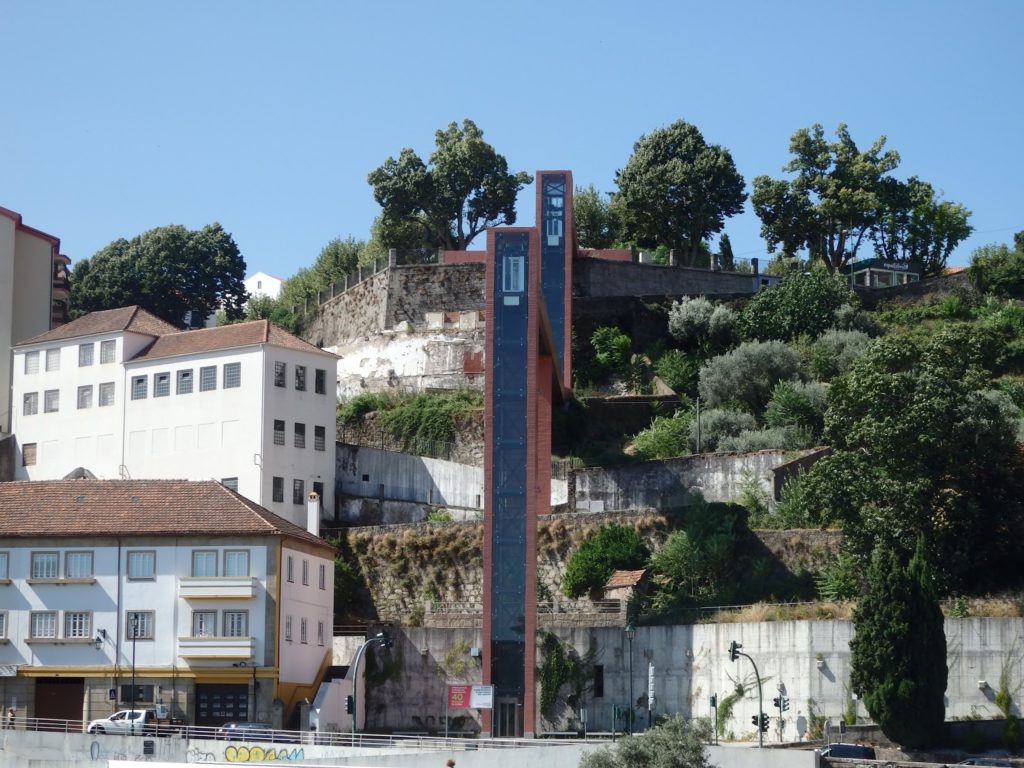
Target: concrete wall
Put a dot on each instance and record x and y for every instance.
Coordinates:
(940, 286)
(598, 277)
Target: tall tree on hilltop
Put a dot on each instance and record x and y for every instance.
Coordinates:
(466, 189)
(596, 219)
(676, 190)
(898, 653)
(170, 271)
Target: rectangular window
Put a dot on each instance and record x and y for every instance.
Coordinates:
(300, 435)
(106, 394)
(138, 625)
(232, 375)
(236, 623)
(143, 694)
(320, 633)
(85, 354)
(53, 359)
(85, 397)
(142, 565)
(207, 378)
(323, 576)
(45, 565)
(598, 681)
(280, 373)
(30, 404)
(278, 492)
(43, 624)
(31, 362)
(108, 351)
(319, 438)
(298, 491)
(28, 455)
(320, 381)
(78, 624)
(288, 628)
(290, 572)
(78, 565)
(5, 560)
(513, 277)
(51, 401)
(236, 562)
(300, 378)
(304, 630)
(204, 623)
(185, 381)
(204, 562)
(231, 483)
(305, 572)
(140, 387)
(162, 384)
(3, 625)
(278, 431)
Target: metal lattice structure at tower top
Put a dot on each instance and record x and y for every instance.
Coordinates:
(528, 306)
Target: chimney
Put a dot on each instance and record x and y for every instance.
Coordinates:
(313, 513)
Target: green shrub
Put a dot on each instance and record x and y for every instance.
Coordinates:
(747, 374)
(788, 438)
(997, 270)
(851, 318)
(832, 353)
(716, 424)
(679, 371)
(666, 438)
(354, 410)
(612, 548)
(699, 325)
(798, 405)
(840, 579)
(804, 302)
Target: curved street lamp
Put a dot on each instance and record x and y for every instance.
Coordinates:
(385, 640)
(630, 634)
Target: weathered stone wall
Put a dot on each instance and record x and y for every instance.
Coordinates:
(934, 286)
(597, 277)
(357, 312)
(416, 290)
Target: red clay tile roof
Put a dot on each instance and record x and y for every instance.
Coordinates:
(133, 318)
(89, 508)
(224, 337)
(625, 579)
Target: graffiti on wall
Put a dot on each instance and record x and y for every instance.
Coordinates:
(234, 754)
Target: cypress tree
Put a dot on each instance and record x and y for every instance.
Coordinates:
(899, 649)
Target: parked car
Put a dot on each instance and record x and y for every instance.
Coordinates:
(246, 732)
(138, 722)
(857, 751)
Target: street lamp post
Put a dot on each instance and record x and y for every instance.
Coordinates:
(630, 634)
(131, 698)
(384, 639)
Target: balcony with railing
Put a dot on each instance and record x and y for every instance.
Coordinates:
(217, 587)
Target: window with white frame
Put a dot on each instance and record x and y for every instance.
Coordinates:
(5, 565)
(204, 623)
(236, 562)
(323, 576)
(204, 562)
(106, 394)
(300, 378)
(43, 624)
(236, 623)
(207, 378)
(30, 404)
(232, 375)
(319, 438)
(140, 387)
(28, 455)
(51, 401)
(184, 381)
(300, 435)
(85, 397)
(304, 630)
(162, 384)
(231, 483)
(305, 572)
(298, 491)
(278, 431)
(142, 564)
(320, 381)
(78, 625)
(78, 565)
(138, 625)
(513, 274)
(53, 359)
(85, 352)
(45, 565)
(280, 374)
(320, 633)
(108, 351)
(288, 628)
(31, 362)
(290, 569)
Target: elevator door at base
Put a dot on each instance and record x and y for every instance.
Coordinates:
(507, 722)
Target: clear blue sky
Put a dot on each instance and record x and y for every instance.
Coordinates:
(122, 116)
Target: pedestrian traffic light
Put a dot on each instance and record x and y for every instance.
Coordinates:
(734, 650)
(785, 703)
(764, 723)
(350, 705)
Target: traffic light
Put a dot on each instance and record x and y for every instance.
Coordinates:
(785, 703)
(388, 641)
(764, 723)
(734, 650)
(754, 720)
(350, 705)
(775, 703)
(714, 700)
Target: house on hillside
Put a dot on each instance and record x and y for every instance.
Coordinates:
(262, 284)
(205, 602)
(123, 394)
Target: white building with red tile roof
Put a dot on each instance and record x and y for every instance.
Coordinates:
(125, 395)
(221, 609)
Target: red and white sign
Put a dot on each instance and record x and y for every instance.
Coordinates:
(471, 696)
(458, 696)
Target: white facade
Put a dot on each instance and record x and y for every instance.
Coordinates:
(198, 415)
(262, 284)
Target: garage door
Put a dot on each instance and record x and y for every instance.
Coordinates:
(60, 698)
(219, 704)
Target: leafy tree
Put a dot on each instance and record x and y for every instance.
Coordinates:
(466, 188)
(676, 190)
(677, 742)
(596, 219)
(170, 271)
(612, 548)
(832, 353)
(898, 654)
(699, 325)
(336, 260)
(829, 209)
(998, 270)
(717, 424)
(726, 260)
(802, 303)
(797, 404)
(747, 374)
